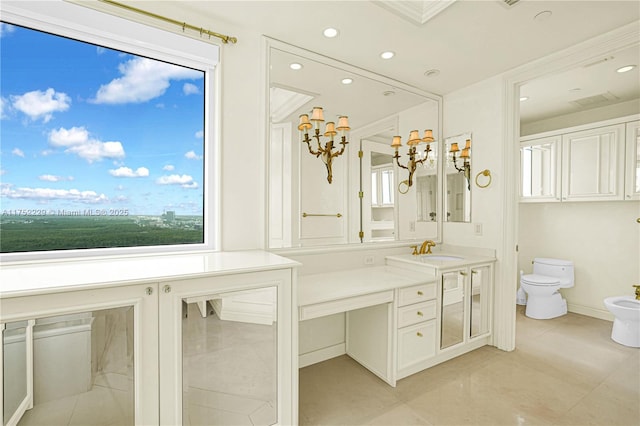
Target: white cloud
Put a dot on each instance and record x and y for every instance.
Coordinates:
(76, 140)
(49, 194)
(18, 152)
(184, 181)
(142, 79)
(190, 89)
(54, 178)
(199, 134)
(41, 105)
(3, 108)
(6, 29)
(127, 172)
(191, 155)
(168, 167)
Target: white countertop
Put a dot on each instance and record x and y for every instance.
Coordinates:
(324, 287)
(424, 260)
(30, 278)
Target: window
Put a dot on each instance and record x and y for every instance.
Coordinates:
(104, 147)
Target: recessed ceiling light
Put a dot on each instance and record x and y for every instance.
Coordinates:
(523, 98)
(626, 68)
(388, 93)
(432, 73)
(543, 16)
(330, 32)
(347, 80)
(387, 55)
(295, 66)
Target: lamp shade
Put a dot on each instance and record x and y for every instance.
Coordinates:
(464, 153)
(331, 129)
(304, 122)
(467, 145)
(454, 147)
(317, 114)
(343, 123)
(396, 142)
(428, 136)
(414, 138)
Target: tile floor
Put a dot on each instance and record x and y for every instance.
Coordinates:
(565, 371)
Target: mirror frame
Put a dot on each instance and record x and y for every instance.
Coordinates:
(268, 45)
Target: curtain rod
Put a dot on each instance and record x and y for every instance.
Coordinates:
(225, 38)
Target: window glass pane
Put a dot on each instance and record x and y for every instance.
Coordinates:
(387, 187)
(100, 148)
(374, 188)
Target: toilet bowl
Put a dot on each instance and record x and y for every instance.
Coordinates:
(544, 300)
(626, 325)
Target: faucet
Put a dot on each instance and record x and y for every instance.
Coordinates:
(425, 248)
(637, 291)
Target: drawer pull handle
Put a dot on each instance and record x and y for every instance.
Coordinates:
(420, 293)
(419, 334)
(419, 313)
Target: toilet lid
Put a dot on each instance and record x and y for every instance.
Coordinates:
(534, 279)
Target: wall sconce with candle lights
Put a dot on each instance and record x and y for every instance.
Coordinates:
(412, 163)
(327, 152)
(465, 155)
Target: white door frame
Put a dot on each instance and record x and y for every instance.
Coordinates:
(578, 55)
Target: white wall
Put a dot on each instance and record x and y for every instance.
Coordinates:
(621, 109)
(478, 109)
(601, 238)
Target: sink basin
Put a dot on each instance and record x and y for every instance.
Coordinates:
(439, 257)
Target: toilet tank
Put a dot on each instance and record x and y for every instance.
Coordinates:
(559, 268)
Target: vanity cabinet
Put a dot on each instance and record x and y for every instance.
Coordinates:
(139, 319)
(444, 319)
(595, 162)
(417, 329)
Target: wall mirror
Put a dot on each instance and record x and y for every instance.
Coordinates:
(458, 178)
(361, 204)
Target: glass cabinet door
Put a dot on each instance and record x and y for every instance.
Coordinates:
(452, 308)
(75, 368)
(632, 178)
(226, 352)
(479, 300)
(229, 358)
(85, 357)
(539, 165)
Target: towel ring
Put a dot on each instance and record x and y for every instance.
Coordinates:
(405, 182)
(485, 172)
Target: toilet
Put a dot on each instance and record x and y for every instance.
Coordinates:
(626, 324)
(544, 300)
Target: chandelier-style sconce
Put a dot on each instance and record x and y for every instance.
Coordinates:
(412, 143)
(327, 152)
(464, 155)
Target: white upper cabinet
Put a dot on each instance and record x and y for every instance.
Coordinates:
(632, 164)
(540, 165)
(593, 164)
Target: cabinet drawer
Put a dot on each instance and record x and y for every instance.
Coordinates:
(415, 294)
(413, 314)
(416, 343)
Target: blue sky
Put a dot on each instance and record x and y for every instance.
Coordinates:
(85, 127)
